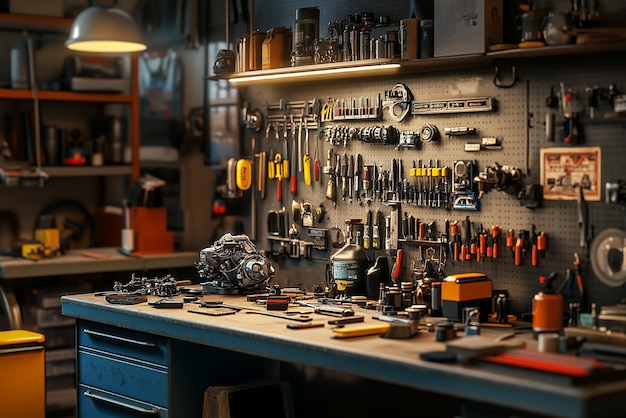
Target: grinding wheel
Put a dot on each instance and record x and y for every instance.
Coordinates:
(607, 257)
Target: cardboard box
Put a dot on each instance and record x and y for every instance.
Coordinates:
(150, 229)
(465, 28)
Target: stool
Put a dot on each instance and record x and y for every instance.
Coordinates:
(23, 386)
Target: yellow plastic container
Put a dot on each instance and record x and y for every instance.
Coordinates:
(23, 385)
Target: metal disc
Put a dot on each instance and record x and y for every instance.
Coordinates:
(608, 259)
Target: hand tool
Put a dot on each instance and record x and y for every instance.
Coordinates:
(166, 303)
(337, 177)
(375, 230)
(316, 166)
(329, 169)
(358, 165)
(366, 230)
(299, 318)
(303, 326)
(293, 183)
(344, 176)
(397, 267)
(346, 320)
(328, 310)
(350, 175)
(271, 169)
(278, 170)
(579, 280)
(243, 174)
(262, 173)
(362, 331)
(583, 220)
(298, 154)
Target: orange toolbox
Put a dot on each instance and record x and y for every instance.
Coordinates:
(23, 384)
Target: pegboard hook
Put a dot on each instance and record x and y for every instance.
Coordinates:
(498, 82)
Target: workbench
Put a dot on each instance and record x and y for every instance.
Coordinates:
(394, 361)
(77, 262)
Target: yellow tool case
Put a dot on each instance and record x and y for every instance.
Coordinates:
(22, 387)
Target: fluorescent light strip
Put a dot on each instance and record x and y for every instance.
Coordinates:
(297, 74)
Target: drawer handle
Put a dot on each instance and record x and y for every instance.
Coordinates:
(20, 349)
(118, 338)
(122, 404)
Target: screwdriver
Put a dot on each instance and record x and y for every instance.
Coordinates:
(316, 166)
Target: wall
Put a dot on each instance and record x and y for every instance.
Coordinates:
(518, 121)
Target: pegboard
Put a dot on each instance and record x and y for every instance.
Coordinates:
(518, 121)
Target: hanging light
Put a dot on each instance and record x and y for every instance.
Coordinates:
(104, 29)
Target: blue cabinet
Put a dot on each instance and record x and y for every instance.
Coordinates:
(128, 373)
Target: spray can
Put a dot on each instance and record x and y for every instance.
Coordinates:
(547, 308)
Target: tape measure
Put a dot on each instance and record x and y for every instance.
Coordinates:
(243, 177)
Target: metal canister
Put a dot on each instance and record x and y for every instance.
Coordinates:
(276, 48)
(306, 31)
(364, 42)
(377, 48)
(345, 43)
(355, 49)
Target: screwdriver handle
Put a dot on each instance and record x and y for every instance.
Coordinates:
(293, 185)
(279, 189)
(316, 170)
(307, 169)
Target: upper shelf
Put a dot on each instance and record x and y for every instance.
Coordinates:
(353, 69)
(66, 96)
(12, 21)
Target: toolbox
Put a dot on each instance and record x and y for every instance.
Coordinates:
(22, 387)
(460, 291)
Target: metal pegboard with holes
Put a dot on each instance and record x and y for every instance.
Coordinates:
(518, 121)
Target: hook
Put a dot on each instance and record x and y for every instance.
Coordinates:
(497, 81)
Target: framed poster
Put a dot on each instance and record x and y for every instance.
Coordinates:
(563, 170)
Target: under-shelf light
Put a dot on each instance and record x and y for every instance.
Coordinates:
(387, 68)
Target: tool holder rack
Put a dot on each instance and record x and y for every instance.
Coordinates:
(517, 121)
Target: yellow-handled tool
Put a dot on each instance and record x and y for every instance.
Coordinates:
(306, 166)
(361, 331)
(243, 177)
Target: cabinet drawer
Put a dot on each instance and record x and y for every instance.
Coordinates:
(128, 343)
(97, 403)
(125, 375)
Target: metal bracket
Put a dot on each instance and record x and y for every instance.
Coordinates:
(497, 81)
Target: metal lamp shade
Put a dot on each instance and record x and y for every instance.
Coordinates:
(104, 29)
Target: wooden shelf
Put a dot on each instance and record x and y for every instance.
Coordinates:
(87, 171)
(83, 262)
(19, 22)
(320, 71)
(66, 96)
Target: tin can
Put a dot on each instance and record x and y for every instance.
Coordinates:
(276, 48)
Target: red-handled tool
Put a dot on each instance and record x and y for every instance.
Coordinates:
(397, 266)
(316, 167)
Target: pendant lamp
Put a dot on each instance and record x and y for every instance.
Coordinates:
(104, 29)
